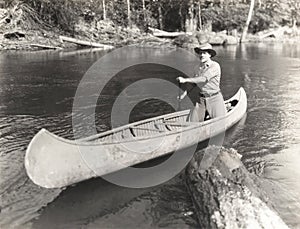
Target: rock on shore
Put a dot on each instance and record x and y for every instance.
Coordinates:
(226, 196)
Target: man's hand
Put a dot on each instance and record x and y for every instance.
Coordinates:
(181, 79)
(181, 97)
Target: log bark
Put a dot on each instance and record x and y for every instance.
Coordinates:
(226, 196)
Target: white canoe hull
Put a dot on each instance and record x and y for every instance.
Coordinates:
(54, 162)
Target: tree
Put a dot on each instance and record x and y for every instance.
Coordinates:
(245, 30)
(295, 9)
(160, 16)
(144, 11)
(191, 24)
(128, 13)
(104, 9)
(199, 15)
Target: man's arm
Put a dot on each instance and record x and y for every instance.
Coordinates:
(211, 72)
(197, 79)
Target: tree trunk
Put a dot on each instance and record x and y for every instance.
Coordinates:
(189, 19)
(145, 17)
(104, 9)
(144, 10)
(160, 17)
(199, 15)
(128, 13)
(295, 23)
(245, 30)
(182, 18)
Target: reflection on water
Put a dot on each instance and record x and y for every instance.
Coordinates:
(161, 208)
(104, 205)
(20, 198)
(270, 138)
(37, 90)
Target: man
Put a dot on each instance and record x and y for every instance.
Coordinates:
(207, 77)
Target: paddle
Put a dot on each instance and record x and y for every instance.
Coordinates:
(178, 97)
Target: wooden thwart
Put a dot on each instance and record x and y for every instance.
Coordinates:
(143, 128)
(174, 123)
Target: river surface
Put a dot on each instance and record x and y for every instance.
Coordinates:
(37, 91)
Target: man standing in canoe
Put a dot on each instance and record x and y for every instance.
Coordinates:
(207, 76)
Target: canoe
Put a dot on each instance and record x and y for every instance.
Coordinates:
(53, 162)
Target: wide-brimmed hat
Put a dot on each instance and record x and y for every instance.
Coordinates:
(206, 48)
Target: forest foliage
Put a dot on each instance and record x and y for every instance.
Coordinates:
(169, 15)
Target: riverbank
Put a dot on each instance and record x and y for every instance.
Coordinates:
(106, 34)
(19, 39)
(19, 30)
(39, 25)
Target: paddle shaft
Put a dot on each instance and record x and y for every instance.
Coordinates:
(179, 99)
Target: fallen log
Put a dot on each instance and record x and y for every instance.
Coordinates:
(226, 196)
(79, 52)
(276, 33)
(45, 46)
(161, 33)
(84, 43)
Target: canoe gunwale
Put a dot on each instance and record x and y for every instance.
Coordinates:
(193, 125)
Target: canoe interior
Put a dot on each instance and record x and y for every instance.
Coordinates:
(163, 124)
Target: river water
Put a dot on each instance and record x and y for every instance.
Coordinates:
(37, 91)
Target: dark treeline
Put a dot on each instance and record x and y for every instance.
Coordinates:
(169, 15)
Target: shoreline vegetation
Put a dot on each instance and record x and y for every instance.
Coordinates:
(22, 27)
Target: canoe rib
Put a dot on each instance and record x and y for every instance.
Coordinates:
(53, 162)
